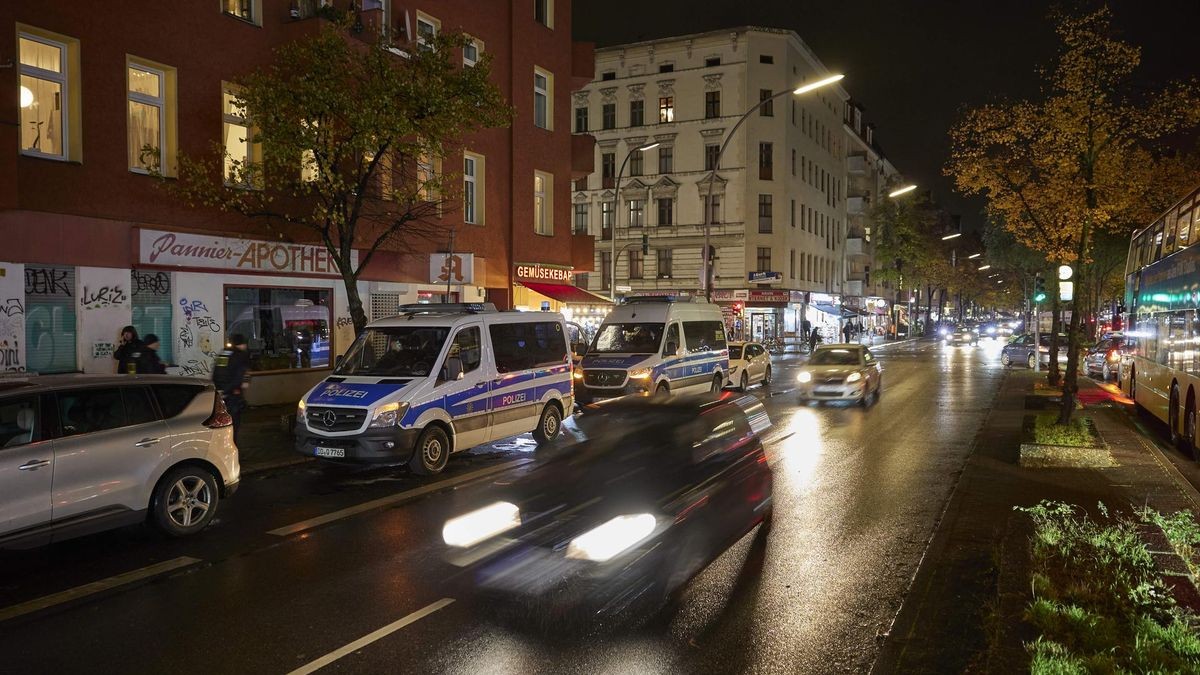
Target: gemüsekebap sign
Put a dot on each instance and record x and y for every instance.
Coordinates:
(181, 249)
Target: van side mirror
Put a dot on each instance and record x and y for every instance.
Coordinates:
(452, 369)
(672, 349)
(579, 348)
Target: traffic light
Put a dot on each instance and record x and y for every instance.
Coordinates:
(645, 244)
(1039, 289)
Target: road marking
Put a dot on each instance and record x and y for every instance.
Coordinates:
(47, 601)
(392, 499)
(371, 637)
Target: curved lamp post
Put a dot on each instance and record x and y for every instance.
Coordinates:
(612, 277)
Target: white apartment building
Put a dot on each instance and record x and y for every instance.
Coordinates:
(778, 200)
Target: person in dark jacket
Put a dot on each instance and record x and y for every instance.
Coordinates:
(126, 363)
(231, 375)
(148, 362)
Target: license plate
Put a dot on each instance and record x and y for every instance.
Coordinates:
(329, 452)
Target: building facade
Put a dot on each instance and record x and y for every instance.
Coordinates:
(776, 203)
(92, 242)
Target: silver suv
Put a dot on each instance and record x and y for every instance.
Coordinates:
(84, 453)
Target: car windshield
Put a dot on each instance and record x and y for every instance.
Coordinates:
(400, 351)
(735, 352)
(627, 338)
(834, 357)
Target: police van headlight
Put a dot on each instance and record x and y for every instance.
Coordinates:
(300, 410)
(388, 415)
(641, 374)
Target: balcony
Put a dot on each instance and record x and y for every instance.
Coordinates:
(856, 165)
(857, 247)
(857, 206)
(583, 64)
(583, 155)
(583, 250)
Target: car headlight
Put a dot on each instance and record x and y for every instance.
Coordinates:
(300, 410)
(854, 377)
(388, 415)
(577, 374)
(804, 377)
(640, 374)
(609, 540)
(471, 528)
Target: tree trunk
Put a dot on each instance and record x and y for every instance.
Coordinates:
(1083, 277)
(1053, 375)
(928, 307)
(354, 300)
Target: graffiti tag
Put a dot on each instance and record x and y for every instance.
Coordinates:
(46, 281)
(12, 307)
(344, 321)
(105, 296)
(151, 283)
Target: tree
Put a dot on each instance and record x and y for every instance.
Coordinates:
(347, 141)
(1074, 160)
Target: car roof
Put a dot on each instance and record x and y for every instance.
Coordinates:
(451, 319)
(841, 345)
(21, 384)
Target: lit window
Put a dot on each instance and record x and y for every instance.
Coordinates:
(147, 108)
(236, 134)
(666, 109)
(541, 99)
(637, 212)
(43, 96)
(543, 219)
(247, 10)
(426, 174)
(472, 194)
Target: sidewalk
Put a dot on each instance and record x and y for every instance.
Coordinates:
(964, 608)
(265, 439)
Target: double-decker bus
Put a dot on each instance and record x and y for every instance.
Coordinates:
(1162, 298)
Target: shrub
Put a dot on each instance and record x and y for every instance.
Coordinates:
(1047, 431)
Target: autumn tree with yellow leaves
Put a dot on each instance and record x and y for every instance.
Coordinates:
(1078, 159)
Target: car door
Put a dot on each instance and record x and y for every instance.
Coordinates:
(26, 464)
(872, 368)
(467, 399)
(758, 363)
(109, 451)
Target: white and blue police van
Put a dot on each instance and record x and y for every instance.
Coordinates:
(658, 345)
(439, 379)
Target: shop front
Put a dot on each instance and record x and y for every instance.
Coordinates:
(551, 288)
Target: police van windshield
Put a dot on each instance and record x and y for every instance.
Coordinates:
(395, 351)
(627, 338)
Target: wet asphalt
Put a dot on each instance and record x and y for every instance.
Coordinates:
(858, 494)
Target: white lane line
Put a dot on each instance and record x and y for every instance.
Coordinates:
(392, 499)
(371, 637)
(95, 587)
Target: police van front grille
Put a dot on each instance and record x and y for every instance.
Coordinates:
(335, 419)
(604, 378)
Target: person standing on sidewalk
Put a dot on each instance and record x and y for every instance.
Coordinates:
(231, 375)
(124, 354)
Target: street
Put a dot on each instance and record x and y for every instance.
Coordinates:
(310, 567)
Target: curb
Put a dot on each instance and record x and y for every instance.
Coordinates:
(276, 464)
(1181, 482)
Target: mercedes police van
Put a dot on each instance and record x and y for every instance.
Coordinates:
(655, 345)
(439, 379)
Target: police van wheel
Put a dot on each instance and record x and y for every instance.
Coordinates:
(716, 385)
(662, 391)
(548, 425)
(431, 453)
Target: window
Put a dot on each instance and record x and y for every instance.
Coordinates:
(471, 53)
(608, 169)
(712, 104)
(666, 67)
(607, 212)
(605, 270)
(666, 159)
(543, 12)
(764, 214)
(50, 319)
(766, 58)
(427, 29)
(765, 161)
(672, 339)
(46, 95)
(85, 411)
(608, 75)
(472, 177)
(581, 219)
(138, 408)
(543, 212)
(608, 116)
(637, 212)
(764, 259)
(712, 61)
(467, 347)
(666, 211)
(145, 124)
(581, 120)
(247, 10)
(285, 327)
(542, 84)
(174, 398)
(635, 264)
(793, 161)
(636, 163)
(637, 113)
(666, 109)
(426, 175)
(768, 107)
(703, 336)
(521, 346)
(664, 263)
(19, 422)
(711, 152)
(792, 264)
(239, 142)
(792, 214)
(712, 208)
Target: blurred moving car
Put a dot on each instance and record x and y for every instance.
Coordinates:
(85, 453)
(840, 372)
(749, 363)
(657, 489)
(1103, 360)
(1020, 349)
(962, 335)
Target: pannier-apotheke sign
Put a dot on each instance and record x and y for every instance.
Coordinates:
(255, 256)
(544, 273)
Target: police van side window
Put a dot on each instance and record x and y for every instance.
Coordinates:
(466, 347)
(704, 336)
(520, 346)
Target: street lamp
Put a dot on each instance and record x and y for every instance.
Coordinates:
(985, 267)
(896, 298)
(803, 89)
(974, 256)
(612, 277)
(952, 236)
(903, 190)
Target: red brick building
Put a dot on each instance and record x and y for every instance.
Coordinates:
(90, 242)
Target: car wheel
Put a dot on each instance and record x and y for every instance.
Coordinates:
(185, 501)
(1005, 359)
(432, 452)
(767, 376)
(548, 425)
(744, 384)
(1032, 362)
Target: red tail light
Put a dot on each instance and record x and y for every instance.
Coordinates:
(220, 415)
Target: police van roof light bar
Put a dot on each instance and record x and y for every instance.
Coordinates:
(448, 308)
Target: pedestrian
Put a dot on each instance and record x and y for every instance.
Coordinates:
(846, 331)
(147, 361)
(126, 363)
(231, 375)
(813, 338)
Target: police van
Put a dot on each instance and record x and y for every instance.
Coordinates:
(439, 379)
(655, 345)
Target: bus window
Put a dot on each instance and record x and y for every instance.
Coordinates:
(1156, 244)
(1169, 236)
(1185, 228)
(1177, 342)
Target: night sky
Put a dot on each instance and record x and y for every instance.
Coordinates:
(914, 64)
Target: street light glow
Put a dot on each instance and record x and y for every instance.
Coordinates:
(903, 190)
(974, 256)
(649, 146)
(804, 89)
(951, 236)
(985, 267)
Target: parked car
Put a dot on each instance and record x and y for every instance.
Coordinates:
(840, 372)
(1020, 350)
(84, 453)
(1103, 360)
(656, 489)
(749, 363)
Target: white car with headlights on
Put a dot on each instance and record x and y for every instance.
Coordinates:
(840, 372)
(749, 363)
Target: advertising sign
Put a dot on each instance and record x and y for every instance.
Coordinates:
(764, 277)
(181, 249)
(538, 272)
(453, 268)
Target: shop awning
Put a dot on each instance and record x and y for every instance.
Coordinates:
(572, 295)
